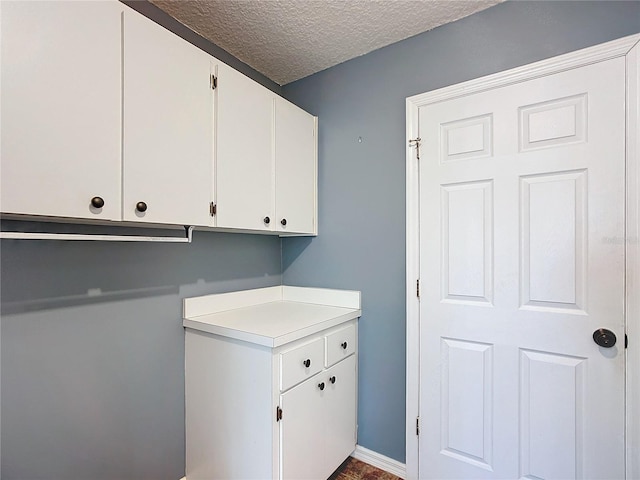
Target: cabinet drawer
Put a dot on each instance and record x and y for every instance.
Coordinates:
(340, 344)
(300, 363)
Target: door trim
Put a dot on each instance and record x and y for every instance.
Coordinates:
(625, 47)
(633, 263)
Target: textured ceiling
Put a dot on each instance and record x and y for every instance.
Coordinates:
(290, 39)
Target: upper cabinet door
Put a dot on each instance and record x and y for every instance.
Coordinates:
(61, 109)
(168, 127)
(244, 152)
(295, 154)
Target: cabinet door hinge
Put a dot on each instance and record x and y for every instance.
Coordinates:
(417, 425)
(214, 82)
(213, 209)
(418, 288)
(278, 414)
(626, 341)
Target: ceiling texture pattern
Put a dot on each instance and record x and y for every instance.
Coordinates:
(290, 39)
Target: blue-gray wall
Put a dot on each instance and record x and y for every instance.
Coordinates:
(93, 384)
(361, 244)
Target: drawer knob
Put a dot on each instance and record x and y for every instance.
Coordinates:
(97, 202)
(141, 207)
(321, 386)
(332, 379)
(307, 363)
(283, 222)
(266, 220)
(344, 345)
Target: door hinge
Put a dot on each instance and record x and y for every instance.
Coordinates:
(626, 341)
(417, 425)
(418, 288)
(213, 209)
(416, 141)
(278, 414)
(214, 82)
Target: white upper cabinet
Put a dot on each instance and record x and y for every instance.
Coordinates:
(265, 159)
(244, 152)
(61, 79)
(295, 155)
(168, 127)
(108, 116)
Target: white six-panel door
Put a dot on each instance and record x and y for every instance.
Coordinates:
(522, 258)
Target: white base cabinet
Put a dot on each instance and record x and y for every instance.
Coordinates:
(271, 383)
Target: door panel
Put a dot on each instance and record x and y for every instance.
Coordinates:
(521, 259)
(467, 400)
(552, 394)
(553, 213)
(467, 229)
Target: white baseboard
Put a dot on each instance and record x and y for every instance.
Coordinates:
(380, 461)
(377, 460)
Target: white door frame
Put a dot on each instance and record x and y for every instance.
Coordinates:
(627, 47)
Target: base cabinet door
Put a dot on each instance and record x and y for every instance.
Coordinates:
(318, 426)
(168, 127)
(340, 408)
(301, 432)
(60, 109)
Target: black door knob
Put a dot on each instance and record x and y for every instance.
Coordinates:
(321, 386)
(141, 207)
(605, 338)
(344, 345)
(332, 379)
(283, 222)
(97, 202)
(267, 220)
(307, 363)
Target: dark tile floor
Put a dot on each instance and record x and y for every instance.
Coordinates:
(353, 469)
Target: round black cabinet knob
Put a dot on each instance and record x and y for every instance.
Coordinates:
(307, 363)
(141, 207)
(344, 345)
(321, 386)
(332, 379)
(283, 222)
(605, 338)
(97, 202)
(267, 220)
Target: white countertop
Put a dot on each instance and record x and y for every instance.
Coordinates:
(272, 323)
